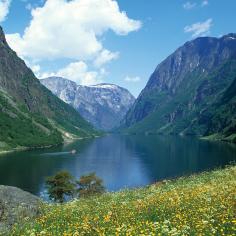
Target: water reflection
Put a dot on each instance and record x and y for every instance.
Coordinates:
(121, 161)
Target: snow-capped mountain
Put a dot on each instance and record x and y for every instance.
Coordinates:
(103, 105)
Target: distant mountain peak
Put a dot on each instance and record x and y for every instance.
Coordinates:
(230, 36)
(104, 105)
(100, 85)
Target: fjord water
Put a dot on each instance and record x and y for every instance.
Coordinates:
(121, 161)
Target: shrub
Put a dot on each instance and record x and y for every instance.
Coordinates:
(90, 185)
(60, 185)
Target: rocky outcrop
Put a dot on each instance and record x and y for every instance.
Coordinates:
(15, 205)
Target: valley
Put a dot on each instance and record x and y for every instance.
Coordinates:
(117, 118)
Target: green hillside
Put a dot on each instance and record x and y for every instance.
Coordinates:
(222, 122)
(31, 116)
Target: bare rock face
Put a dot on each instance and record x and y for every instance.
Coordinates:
(16, 204)
(187, 83)
(103, 105)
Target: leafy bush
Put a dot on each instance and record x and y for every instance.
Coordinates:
(60, 185)
(63, 185)
(90, 185)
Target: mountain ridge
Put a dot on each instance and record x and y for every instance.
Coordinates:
(182, 86)
(104, 105)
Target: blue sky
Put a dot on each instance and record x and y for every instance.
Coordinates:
(98, 44)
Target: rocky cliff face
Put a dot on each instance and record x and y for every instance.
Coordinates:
(30, 115)
(103, 105)
(185, 84)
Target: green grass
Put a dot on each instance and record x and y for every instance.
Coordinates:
(201, 204)
(19, 128)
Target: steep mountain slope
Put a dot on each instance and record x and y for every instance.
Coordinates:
(220, 118)
(104, 105)
(30, 115)
(188, 84)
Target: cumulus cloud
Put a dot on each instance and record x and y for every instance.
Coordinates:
(71, 29)
(4, 9)
(199, 28)
(75, 71)
(104, 57)
(189, 5)
(78, 72)
(132, 79)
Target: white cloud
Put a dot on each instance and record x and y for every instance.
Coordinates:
(189, 5)
(104, 57)
(132, 79)
(77, 72)
(36, 69)
(71, 29)
(204, 3)
(199, 28)
(4, 9)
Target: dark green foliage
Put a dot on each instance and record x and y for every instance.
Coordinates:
(230, 93)
(18, 128)
(60, 185)
(89, 185)
(63, 185)
(222, 115)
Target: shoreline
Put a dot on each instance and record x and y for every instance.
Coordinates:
(211, 138)
(218, 138)
(26, 149)
(66, 141)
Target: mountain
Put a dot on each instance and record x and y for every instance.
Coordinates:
(191, 92)
(103, 105)
(30, 115)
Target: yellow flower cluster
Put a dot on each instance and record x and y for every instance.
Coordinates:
(198, 205)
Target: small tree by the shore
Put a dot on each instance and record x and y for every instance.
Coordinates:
(60, 185)
(63, 184)
(89, 185)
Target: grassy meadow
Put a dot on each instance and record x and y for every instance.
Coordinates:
(203, 204)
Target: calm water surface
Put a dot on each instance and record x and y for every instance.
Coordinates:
(121, 161)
